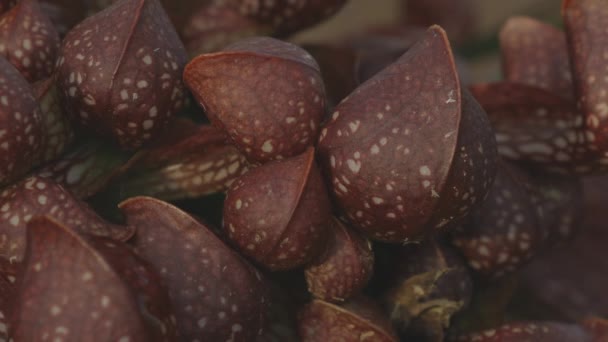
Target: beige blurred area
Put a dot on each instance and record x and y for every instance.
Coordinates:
(361, 15)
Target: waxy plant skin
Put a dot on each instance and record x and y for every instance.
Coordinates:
(70, 282)
(344, 268)
(29, 40)
(36, 196)
(21, 125)
(278, 214)
(388, 183)
(283, 125)
(129, 89)
(220, 296)
(193, 170)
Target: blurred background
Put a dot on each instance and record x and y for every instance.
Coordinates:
(480, 46)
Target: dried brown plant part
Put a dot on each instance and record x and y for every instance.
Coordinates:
(429, 283)
(29, 40)
(344, 268)
(58, 131)
(584, 20)
(266, 94)
(459, 18)
(21, 126)
(539, 129)
(504, 232)
(187, 161)
(530, 331)
(87, 289)
(356, 320)
(120, 72)
(35, 196)
(88, 168)
(408, 153)
(536, 54)
(488, 307)
(278, 214)
(216, 295)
